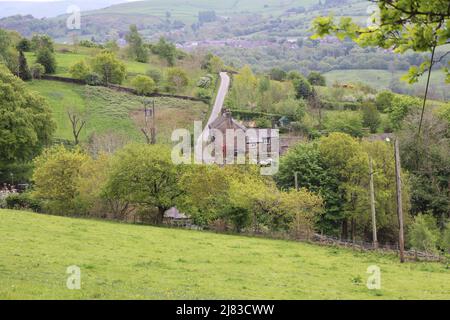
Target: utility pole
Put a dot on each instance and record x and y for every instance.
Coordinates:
(296, 180)
(401, 240)
(150, 135)
(372, 206)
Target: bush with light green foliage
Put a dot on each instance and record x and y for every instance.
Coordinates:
(424, 233)
(143, 85)
(80, 70)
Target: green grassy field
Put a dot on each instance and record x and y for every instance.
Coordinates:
(380, 79)
(110, 111)
(120, 261)
(187, 10)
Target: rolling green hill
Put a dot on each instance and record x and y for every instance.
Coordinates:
(187, 10)
(109, 111)
(381, 79)
(120, 261)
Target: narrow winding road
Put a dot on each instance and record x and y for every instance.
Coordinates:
(218, 104)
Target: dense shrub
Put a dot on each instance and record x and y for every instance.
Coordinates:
(424, 234)
(93, 79)
(143, 85)
(23, 201)
(37, 71)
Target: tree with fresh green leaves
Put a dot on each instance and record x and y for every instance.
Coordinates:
(348, 122)
(400, 25)
(445, 239)
(423, 234)
(400, 107)
(165, 50)
(8, 53)
(302, 87)
(46, 57)
(428, 160)
(344, 157)
(37, 71)
(40, 42)
(215, 65)
(136, 49)
(56, 177)
(26, 124)
(244, 89)
(305, 160)
(109, 68)
(371, 117)
(383, 101)
(143, 85)
(316, 79)
(80, 70)
(177, 79)
(277, 74)
(24, 45)
(24, 72)
(145, 176)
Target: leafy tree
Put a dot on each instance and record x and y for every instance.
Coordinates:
(155, 74)
(145, 176)
(216, 65)
(24, 71)
(206, 193)
(401, 24)
(80, 70)
(42, 42)
(177, 79)
(37, 70)
(371, 118)
(143, 85)
(277, 74)
(109, 68)
(26, 124)
(428, 159)
(56, 177)
(316, 79)
(302, 87)
(445, 240)
(46, 57)
(401, 106)
(303, 209)
(112, 46)
(8, 53)
(136, 49)
(384, 100)
(243, 93)
(165, 50)
(312, 174)
(424, 234)
(345, 159)
(24, 45)
(348, 122)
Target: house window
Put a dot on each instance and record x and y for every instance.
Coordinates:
(266, 140)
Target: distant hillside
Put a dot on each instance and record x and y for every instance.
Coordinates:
(50, 8)
(178, 19)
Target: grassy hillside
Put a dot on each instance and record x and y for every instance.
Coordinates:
(188, 10)
(128, 261)
(110, 111)
(380, 79)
